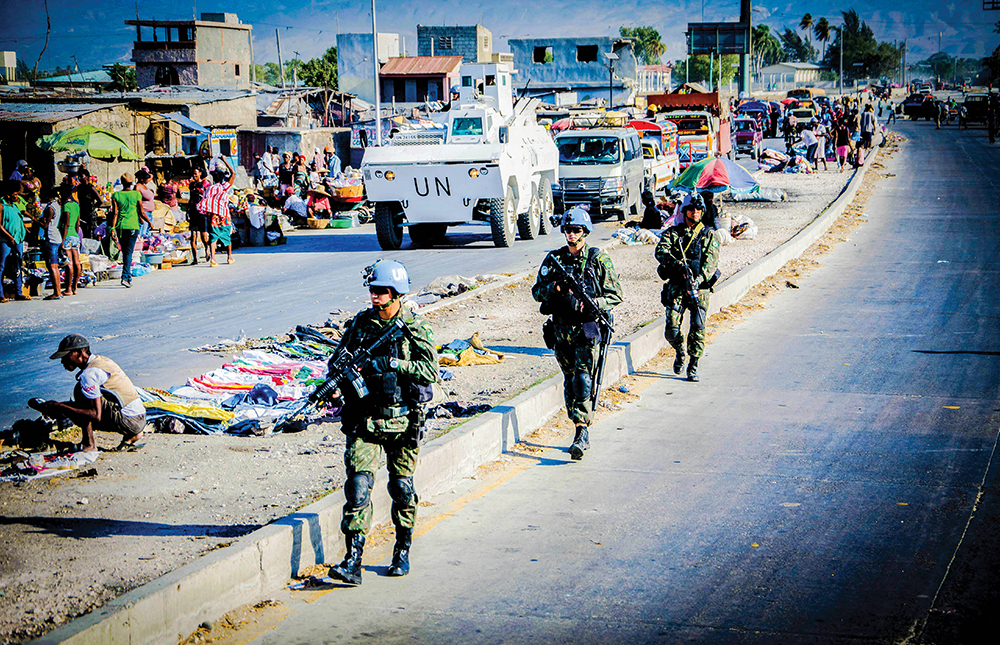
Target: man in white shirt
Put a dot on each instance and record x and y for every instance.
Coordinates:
(104, 398)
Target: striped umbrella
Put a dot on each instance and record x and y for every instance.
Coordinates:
(716, 175)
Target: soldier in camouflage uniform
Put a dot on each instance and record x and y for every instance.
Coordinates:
(693, 244)
(389, 418)
(573, 334)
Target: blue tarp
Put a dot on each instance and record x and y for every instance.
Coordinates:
(177, 117)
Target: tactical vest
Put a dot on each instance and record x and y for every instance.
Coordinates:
(117, 383)
(391, 394)
(588, 277)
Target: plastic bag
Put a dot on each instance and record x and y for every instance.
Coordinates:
(743, 228)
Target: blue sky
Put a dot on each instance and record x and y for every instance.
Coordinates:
(95, 33)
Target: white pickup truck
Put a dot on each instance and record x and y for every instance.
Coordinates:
(493, 164)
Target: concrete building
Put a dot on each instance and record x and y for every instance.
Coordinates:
(355, 73)
(23, 123)
(474, 44)
(789, 75)
(653, 79)
(214, 51)
(559, 65)
(415, 79)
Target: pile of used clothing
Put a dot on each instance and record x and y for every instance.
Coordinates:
(249, 394)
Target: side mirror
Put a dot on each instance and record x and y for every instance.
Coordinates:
(504, 134)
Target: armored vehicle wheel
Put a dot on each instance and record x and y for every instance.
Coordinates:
(426, 234)
(389, 225)
(503, 219)
(546, 208)
(529, 223)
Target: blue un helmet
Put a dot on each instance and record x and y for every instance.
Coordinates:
(388, 273)
(578, 216)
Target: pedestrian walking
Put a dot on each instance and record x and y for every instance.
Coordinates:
(125, 218)
(214, 205)
(573, 332)
(689, 260)
(388, 419)
(199, 224)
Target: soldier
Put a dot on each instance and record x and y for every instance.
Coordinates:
(389, 418)
(689, 243)
(573, 333)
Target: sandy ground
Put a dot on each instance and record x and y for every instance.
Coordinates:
(69, 544)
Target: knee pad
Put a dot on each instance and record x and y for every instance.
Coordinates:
(401, 490)
(581, 386)
(358, 488)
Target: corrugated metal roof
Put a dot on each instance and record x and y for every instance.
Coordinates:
(96, 76)
(48, 112)
(186, 94)
(421, 66)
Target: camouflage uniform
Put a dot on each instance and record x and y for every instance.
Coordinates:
(576, 343)
(392, 424)
(703, 257)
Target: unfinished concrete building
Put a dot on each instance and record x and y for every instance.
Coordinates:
(216, 51)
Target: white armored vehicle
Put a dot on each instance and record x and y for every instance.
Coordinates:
(493, 164)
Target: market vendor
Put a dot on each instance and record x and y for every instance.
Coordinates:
(12, 235)
(104, 398)
(294, 207)
(318, 204)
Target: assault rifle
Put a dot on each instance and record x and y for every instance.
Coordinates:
(591, 307)
(690, 293)
(345, 368)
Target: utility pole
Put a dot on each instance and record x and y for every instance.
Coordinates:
(840, 34)
(281, 66)
(378, 90)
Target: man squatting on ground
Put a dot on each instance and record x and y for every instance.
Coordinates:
(573, 334)
(104, 398)
(389, 418)
(693, 244)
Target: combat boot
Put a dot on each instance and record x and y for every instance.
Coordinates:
(349, 570)
(679, 357)
(693, 370)
(401, 552)
(580, 442)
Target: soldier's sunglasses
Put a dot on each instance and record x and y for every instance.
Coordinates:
(572, 229)
(379, 291)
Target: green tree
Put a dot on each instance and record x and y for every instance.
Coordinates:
(796, 49)
(806, 24)
(320, 72)
(648, 47)
(822, 32)
(699, 70)
(992, 63)
(864, 57)
(122, 78)
(766, 48)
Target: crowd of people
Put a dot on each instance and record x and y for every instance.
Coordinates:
(135, 205)
(842, 131)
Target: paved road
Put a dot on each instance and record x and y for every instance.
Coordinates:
(814, 487)
(149, 328)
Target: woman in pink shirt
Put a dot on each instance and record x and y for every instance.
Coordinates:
(147, 191)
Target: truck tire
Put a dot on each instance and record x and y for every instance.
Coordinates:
(503, 219)
(528, 223)
(546, 208)
(389, 225)
(424, 235)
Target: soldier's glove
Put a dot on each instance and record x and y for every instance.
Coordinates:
(384, 364)
(574, 303)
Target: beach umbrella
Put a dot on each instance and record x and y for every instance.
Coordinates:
(96, 142)
(716, 175)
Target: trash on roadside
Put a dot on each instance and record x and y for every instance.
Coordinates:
(762, 195)
(460, 353)
(452, 409)
(743, 228)
(636, 236)
(21, 466)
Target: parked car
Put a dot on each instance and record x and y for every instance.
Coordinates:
(917, 106)
(602, 167)
(749, 137)
(804, 116)
(975, 108)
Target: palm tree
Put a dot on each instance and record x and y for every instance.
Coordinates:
(766, 48)
(806, 24)
(822, 32)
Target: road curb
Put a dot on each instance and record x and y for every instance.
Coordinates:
(169, 608)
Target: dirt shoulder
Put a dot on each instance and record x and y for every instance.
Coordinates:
(69, 544)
